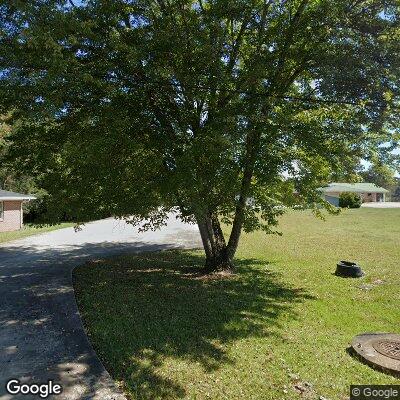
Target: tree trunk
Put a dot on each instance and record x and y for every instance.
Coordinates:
(217, 259)
(252, 148)
(219, 255)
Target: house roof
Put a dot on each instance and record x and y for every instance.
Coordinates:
(6, 195)
(353, 187)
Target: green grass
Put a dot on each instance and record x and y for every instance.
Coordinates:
(164, 332)
(29, 230)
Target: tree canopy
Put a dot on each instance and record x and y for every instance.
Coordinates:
(380, 174)
(219, 110)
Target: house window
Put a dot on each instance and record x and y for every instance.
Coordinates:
(1, 210)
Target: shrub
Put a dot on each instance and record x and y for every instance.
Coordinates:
(349, 200)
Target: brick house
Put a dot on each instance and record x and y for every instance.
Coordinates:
(11, 214)
(368, 192)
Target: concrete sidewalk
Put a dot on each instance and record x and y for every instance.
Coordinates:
(41, 334)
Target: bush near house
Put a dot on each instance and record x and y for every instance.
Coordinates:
(349, 200)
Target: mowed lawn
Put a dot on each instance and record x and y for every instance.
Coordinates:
(30, 230)
(278, 329)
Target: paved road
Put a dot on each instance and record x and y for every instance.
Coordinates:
(385, 204)
(41, 335)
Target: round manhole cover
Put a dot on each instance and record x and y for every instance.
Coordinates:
(389, 348)
(380, 350)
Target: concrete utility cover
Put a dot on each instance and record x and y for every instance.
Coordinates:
(380, 350)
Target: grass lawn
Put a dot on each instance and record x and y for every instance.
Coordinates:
(29, 230)
(280, 325)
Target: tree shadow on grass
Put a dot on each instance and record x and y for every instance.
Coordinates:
(142, 309)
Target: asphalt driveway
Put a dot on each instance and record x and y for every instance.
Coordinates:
(41, 335)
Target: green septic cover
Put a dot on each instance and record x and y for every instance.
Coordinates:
(353, 187)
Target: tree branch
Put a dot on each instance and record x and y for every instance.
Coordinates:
(289, 38)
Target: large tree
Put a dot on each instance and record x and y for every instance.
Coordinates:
(221, 110)
(380, 174)
(396, 190)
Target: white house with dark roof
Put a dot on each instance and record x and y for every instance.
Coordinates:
(369, 192)
(11, 214)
